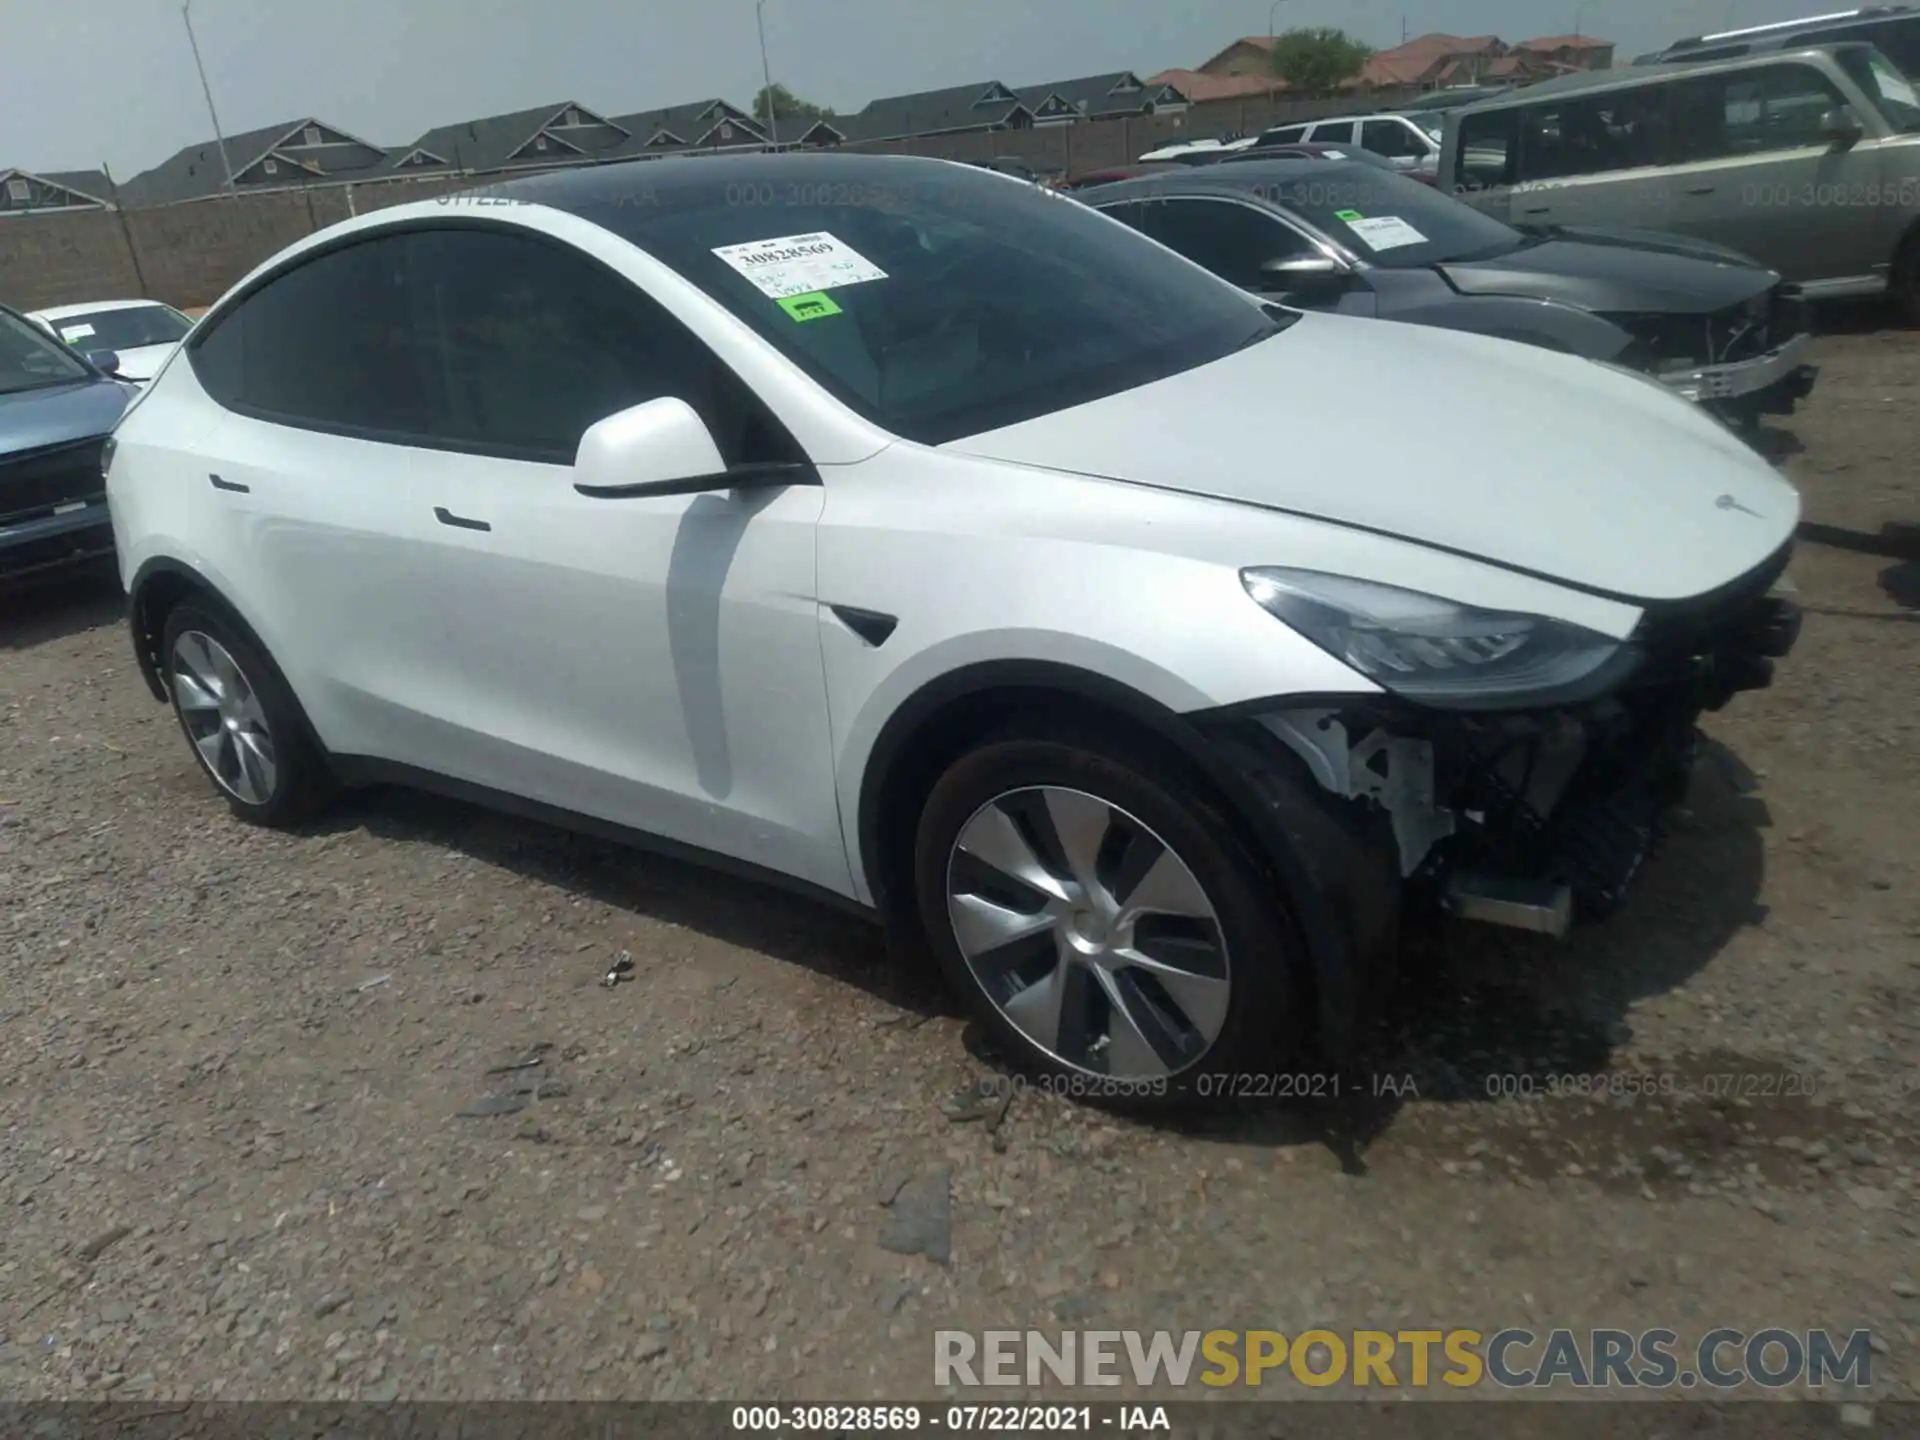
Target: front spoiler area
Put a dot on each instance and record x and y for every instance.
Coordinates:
(1781, 372)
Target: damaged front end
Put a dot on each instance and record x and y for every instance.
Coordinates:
(1742, 362)
(1533, 817)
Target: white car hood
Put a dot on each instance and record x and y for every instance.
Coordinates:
(1505, 452)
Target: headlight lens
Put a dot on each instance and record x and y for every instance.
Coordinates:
(1437, 651)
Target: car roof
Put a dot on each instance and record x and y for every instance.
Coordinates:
(1780, 33)
(643, 189)
(91, 307)
(1634, 75)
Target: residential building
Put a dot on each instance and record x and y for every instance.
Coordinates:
(292, 154)
(1573, 52)
(711, 124)
(1100, 97)
(566, 133)
(983, 105)
(24, 192)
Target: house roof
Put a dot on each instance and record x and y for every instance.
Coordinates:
(492, 141)
(196, 171)
(1201, 88)
(1121, 93)
(90, 183)
(1564, 42)
(1406, 64)
(1258, 42)
(929, 112)
(677, 126)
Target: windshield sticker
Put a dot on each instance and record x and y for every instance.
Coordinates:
(809, 307)
(1386, 232)
(790, 265)
(1348, 215)
(71, 333)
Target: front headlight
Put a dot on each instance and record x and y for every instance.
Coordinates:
(1437, 651)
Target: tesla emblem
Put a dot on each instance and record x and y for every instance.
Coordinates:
(1727, 502)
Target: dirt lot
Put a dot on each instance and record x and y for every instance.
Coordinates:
(234, 1065)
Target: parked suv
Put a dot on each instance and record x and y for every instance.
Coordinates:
(1807, 160)
(1895, 29)
(1411, 140)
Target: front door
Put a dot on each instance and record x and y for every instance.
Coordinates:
(654, 661)
(304, 490)
(1755, 173)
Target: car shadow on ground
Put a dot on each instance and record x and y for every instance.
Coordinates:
(55, 609)
(761, 917)
(1476, 1013)
(1898, 541)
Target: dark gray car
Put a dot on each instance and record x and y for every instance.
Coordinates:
(1705, 321)
(57, 408)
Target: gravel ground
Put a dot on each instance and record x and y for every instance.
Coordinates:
(253, 1145)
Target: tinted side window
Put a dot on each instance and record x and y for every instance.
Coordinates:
(1487, 150)
(536, 342)
(1898, 40)
(1338, 132)
(329, 345)
(1594, 135)
(1392, 139)
(1228, 238)
(1285, 135)
(1751, 112)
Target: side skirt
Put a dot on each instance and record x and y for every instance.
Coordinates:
(362, 772)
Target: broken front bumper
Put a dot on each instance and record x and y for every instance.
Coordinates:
(1530, 817)
(1781, 376)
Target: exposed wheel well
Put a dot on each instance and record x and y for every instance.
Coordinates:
(153, 598)
(918, 748)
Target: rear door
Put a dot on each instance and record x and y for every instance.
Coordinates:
(304, 509)
(1594, 159)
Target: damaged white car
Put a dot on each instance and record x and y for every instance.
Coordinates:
(938, 545)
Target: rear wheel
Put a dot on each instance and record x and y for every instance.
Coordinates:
(1106, 924)
(1904, 284)
(240, 718)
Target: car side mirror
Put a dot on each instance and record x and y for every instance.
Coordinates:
(1841, 126)
(1305, 273)
(107, 362)
(663, 447)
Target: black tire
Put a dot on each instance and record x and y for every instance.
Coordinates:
(1267, 1017)
(1904, 287)
(300, 781)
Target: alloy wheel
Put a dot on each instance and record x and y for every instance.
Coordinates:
(223, 717)
(1089, 934)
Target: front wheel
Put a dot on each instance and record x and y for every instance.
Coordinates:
(1905, 282)
(1107, 925)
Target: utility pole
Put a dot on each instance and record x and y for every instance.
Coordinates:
(219, 140)
(766, 74)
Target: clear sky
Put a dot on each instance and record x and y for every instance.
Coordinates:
(93, 81)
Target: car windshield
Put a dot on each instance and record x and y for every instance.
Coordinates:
(1891, 90)
(949, 302)
(31, 360)
(1388, 219)
(126, 327)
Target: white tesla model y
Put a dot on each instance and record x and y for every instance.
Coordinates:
(928, 540)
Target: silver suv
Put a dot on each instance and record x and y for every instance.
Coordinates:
(1807, 160)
